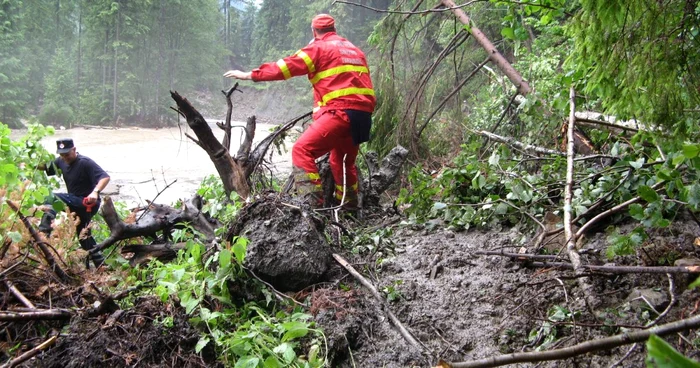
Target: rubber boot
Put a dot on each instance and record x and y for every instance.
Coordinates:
(308, 187)
(89, 244)
(46, 221)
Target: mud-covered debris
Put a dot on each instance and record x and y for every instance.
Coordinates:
(287, 247)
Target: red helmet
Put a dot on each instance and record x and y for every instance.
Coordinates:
(323, 21)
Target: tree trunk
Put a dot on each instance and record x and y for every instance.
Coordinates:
(494, 54)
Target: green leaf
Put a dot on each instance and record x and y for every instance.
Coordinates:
(203, 341)
(637, 211)
(239, 249)
(247, 362)
(272, 362)
(508, 33)
(224, 258)
(439, 206)
(691, 150)
(14, 236)
(294, 330)
(647, 193)
(663, 355)
(287, 352)
(637, 164)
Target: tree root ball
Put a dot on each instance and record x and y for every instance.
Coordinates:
(286, 243)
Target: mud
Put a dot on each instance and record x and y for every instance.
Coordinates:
(464, 306)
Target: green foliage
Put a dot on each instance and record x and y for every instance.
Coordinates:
(243, 336)
(622, 245)
(662, 355)
(640, 58)
(547, 333)
(392, 291)
(216, 204)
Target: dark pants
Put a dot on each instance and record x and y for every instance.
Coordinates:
(75, 203)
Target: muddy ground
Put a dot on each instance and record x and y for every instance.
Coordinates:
(459, 305)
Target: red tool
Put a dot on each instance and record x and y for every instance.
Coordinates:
(88, 206)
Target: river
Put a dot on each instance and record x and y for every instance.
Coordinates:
(142, 162)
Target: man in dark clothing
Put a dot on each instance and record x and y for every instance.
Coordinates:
(85, 180)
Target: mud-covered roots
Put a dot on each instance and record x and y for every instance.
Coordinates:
(287, 246)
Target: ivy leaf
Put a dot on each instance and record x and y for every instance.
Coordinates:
(647, 193)
(439, 206)
(501, 209)
(272, 362)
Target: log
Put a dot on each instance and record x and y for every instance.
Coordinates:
(495, 56)
(143, 254)
(381, 177)
(231, 173)
(156, 218)
(46, 314)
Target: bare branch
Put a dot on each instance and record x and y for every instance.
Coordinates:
(583, 348)
(412, 12)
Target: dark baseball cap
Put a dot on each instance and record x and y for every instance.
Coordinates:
(64, 145)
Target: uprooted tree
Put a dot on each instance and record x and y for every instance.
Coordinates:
(288, 250)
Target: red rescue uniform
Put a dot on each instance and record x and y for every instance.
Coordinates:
(341, 81)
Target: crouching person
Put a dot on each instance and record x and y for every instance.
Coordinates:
(85, 180)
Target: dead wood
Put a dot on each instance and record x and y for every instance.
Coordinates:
(583, 348)
(231, 172)
(18, 294)
(157, 218)
(45, 251)
(381, 177)
(407, 335)
(591, 299)
(620, 207)
(30, 353)
(623, 269)
(495, 56)
(520, 256)
(143, 254)
(226, 127)
(37, 314)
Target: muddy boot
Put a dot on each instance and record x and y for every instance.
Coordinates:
(350, 202)
(308, 187)
(96, 256)
(46, 221)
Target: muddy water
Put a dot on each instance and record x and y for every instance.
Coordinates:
(142, 162)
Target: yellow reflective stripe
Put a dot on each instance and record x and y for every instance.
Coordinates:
(346, 92)
(338, 70)
(284, 68)
(309, 63)
(314, 176)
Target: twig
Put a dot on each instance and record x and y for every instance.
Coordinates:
(583, 348)
(37, 314)
(30, 353)
(517, 255)
(40, 243)
(623, 269)
(614, 210)
(591, 300)
(395, 321)
(433, 10)
(154, 199)
(19, 295)
(672, 292)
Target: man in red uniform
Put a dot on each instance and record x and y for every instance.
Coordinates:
(343, 105)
